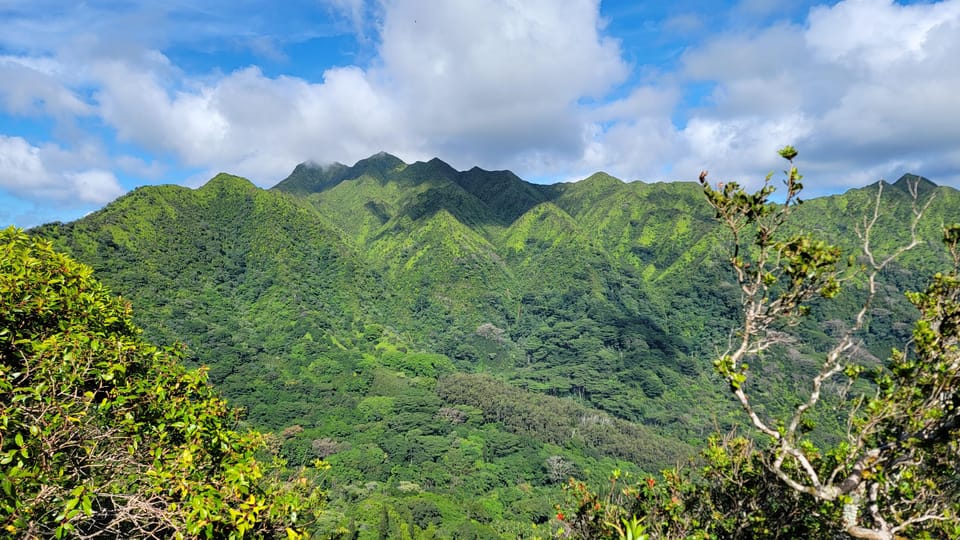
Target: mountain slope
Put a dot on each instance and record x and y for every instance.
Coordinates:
(346, 305)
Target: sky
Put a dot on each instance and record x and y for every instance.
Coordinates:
(102, 96)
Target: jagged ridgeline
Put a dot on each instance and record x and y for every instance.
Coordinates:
(455, 329)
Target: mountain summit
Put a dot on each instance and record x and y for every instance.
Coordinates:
(313, 178)
(924, 185)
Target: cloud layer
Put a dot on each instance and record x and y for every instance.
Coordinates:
(865, 88)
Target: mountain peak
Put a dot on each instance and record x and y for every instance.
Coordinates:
(439, 166)
(224, 181)
(602, 178)
(381, 162)
(923, 184)
(314, 166)
(309, 177)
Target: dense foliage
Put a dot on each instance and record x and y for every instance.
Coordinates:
(106, 436)
(730, 493)
(455, 342)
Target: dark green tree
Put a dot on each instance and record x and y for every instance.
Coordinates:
(383, 530)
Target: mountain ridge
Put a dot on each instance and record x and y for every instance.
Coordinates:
(365, 306)
(383, 162)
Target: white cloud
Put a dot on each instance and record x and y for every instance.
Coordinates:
(642, 102)
(864, 88)
(877, 34)
(471, 83)
(903, 74)
(25, 171)
(136, 103)
(251, 124)
(741, 148)
(643, 149)
(487, 83)
(354, 11)
(32, 86)
(897, 101)
(95, 186)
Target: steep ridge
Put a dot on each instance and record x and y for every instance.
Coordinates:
(312, 178)
(505, 195)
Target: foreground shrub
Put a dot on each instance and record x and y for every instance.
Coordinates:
(105, 435)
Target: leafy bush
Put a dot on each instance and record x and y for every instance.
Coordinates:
(105, 435)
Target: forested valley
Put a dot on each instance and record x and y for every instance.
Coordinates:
(437, 352)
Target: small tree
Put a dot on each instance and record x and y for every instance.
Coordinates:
(895, 471)
(558, 468)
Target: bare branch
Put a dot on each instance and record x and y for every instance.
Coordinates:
(887, 435)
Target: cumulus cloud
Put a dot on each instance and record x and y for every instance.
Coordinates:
(864, 88)
(902, 75)
(741, 149)
(898, 95)
(471, 82)
(878, 34)
(487, 82)
(30, 86)
(25, 171)
(249, 123)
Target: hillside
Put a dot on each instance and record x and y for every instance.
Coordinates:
(449, 331)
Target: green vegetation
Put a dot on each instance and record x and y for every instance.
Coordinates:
(455, 343)
(891, 473)
(104, 435)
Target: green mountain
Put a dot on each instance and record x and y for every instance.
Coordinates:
(438, 335)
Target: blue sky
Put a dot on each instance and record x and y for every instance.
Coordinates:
(99, 97)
